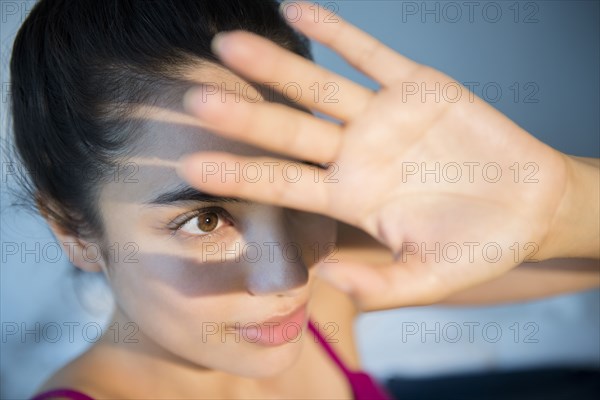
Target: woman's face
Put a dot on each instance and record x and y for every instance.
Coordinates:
(187, 268)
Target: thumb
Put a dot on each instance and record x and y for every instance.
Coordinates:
(377, 287)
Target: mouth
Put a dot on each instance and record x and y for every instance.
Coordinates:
(276, 331)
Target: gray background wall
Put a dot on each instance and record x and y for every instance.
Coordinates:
(549, 50)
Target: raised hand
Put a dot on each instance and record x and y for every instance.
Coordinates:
(456, 190)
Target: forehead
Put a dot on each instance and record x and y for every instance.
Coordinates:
(168, 133)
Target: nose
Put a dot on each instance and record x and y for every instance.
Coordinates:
(279, 275)
(280, 269)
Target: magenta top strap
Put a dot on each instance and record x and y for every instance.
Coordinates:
(364, 387)
(62, 393)
(328, 348)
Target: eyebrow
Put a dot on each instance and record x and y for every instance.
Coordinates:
(186, 194)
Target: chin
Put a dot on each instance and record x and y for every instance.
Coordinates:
(260, 361)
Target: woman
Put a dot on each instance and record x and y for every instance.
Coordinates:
(222, 288)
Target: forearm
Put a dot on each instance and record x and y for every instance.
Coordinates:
(533, 281)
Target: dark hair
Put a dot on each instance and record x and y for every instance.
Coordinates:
(78, 68)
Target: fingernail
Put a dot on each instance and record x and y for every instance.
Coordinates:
(217, 42)
(191, 99)
(286, 13)
(188, 166)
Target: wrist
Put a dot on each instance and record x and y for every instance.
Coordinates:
(575, 228)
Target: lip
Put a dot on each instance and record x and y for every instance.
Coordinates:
(277, 330)
(285, 317)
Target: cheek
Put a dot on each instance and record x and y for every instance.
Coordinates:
(192, 278)
(151, 294)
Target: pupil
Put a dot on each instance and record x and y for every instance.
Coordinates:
(208, 222)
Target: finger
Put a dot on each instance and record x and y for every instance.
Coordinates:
(361, 50)
(271, 126)
(297, 78)
(273, 181)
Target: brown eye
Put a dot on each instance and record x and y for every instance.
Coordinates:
(207, 222)
(204, 223)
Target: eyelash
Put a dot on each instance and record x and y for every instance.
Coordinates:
(180, 221)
